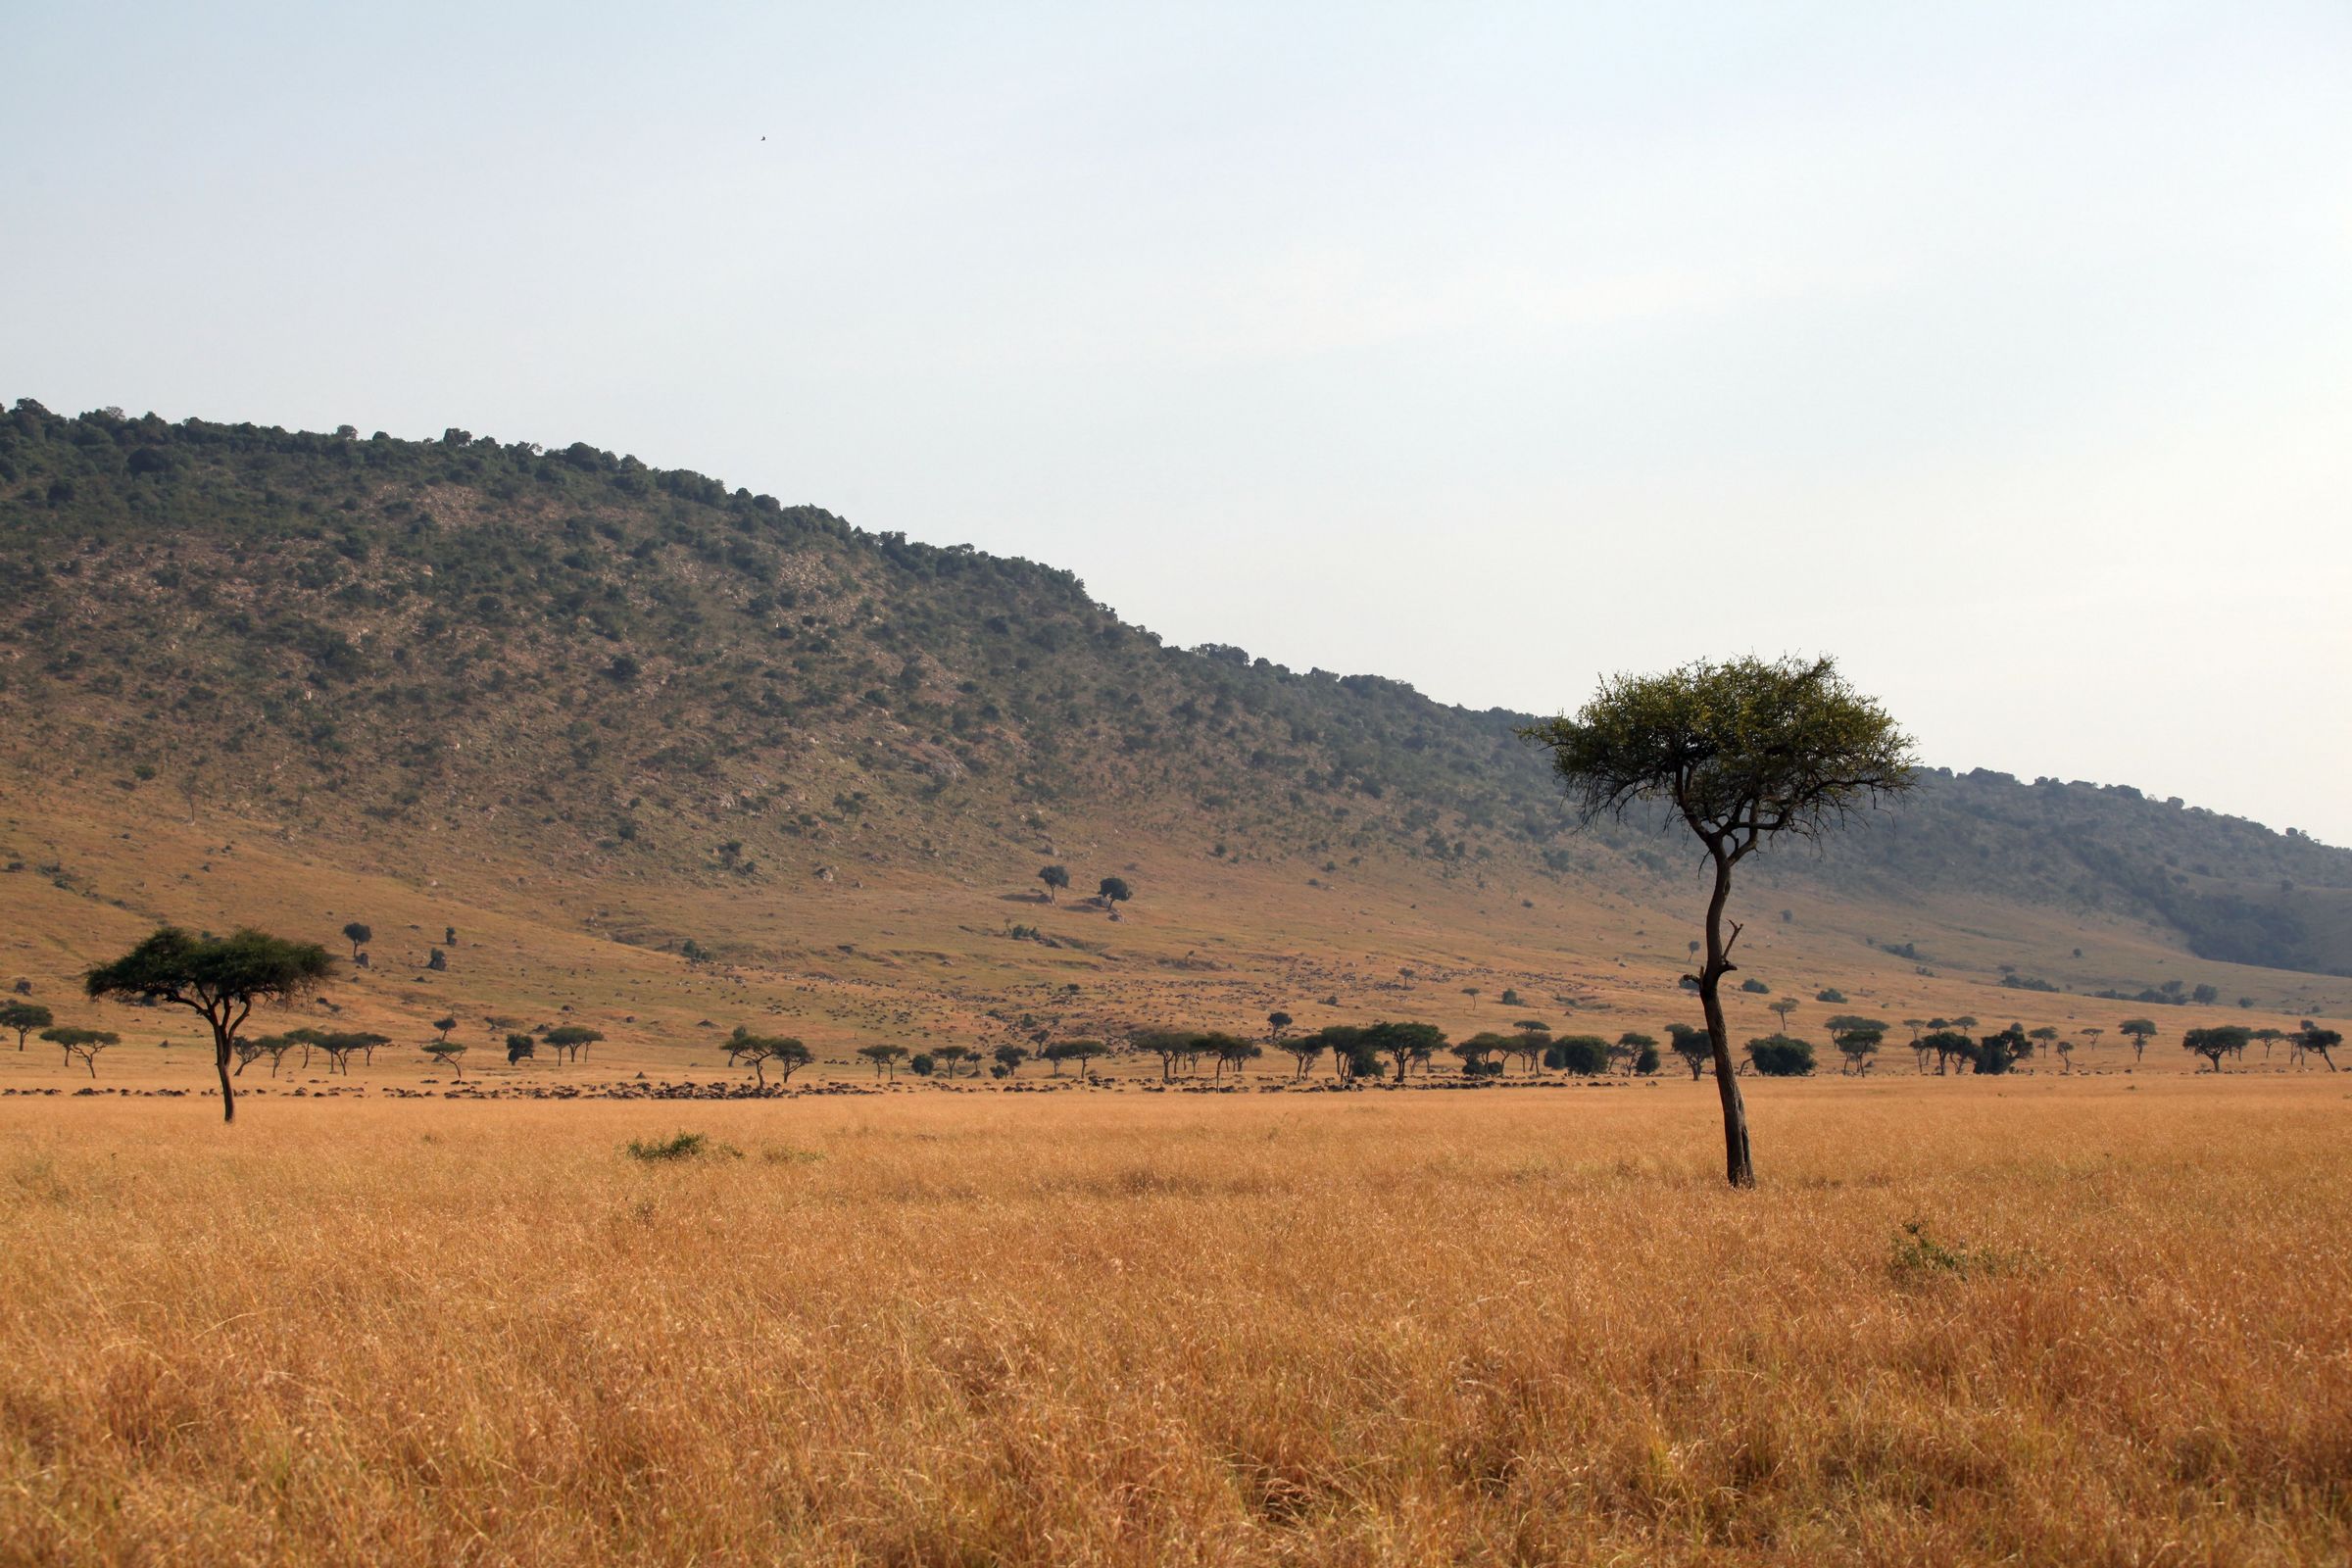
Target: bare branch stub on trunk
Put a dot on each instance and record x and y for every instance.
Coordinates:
(1742, 752)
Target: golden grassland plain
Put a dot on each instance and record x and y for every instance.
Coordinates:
(1109, 1327)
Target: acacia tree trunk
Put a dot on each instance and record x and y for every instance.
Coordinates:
(220, 1054)
(1739, 1168)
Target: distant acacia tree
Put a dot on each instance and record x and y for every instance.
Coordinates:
(572, 1039)
(1781, 1056)
(1276, 1023)
(360, 935)
(1405, 1042)
(448, 1054)
(442, 1026)
(1304, 1050)
(24, 1017)
(1744, 752)
(1473, 1052)
(1997, 1054)
(1170, 1046)
(1856, 1038)
(1085, 1053)
(274, 1047)
(784, 1053)
(1781, 1008)
(83, 1043)
(1949, 1046)
(223, 978)
(1228, 1051)
(1634, 1047)
(884, 1057)
(2320, 1043)
(1114, 892)
(953, 1057)
(1343, 1040)
(1586, 1055)
(2142, 1031)
(1693, 1046)
(522, 1048)
(1010, 1057)
(1532, 1040)
(1056, 878)
(2214, 1044)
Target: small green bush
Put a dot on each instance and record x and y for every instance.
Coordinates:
(681, 1146)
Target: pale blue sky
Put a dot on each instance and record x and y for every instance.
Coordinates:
(2004, 351)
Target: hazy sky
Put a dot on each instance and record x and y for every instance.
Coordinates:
(2004, 351)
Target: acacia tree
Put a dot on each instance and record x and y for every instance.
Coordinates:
(1056, 878)
(2320, 1043)
(1949, 1045)
(1170, 1046)
(83, 1043)
(1085, 1053)
(787, 1053)
(1744, 752)
(448, 1054)
(1781, 1008)
(1114, 892)
(1276, 1023)
(2214, 1044)
(1405, 1043)
(24, 1017)
(1302, 1049)
(522, 1048)
(573, 1038)
(224, 978)
(1694, 1047)
(1229, 1050)
(2142, 1031)
(1629, 1048)
(360, 935)
(884, 1057)
(1010, 1057)
(1532, 1040)
(953, 1056)
(443, 1026)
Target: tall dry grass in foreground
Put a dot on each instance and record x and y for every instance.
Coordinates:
(1501, 1328)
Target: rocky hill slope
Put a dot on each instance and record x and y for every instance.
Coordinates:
(498, 655)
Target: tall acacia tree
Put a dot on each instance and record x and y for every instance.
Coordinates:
(224, 978)
(1744, 752)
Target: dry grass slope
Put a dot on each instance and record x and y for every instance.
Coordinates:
(1501, 1328)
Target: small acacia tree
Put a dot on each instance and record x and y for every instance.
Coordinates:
(359, 934)
(885, 1058)
(224, 978)
(24, 1017)
(449, 1054)
(1085, 1053)
(442, 1026)
(1114, 892)
(83, 1043)
(572, 1040)
(1691, 1045)
(2142, 1031)
(783, 1052)
(1744, 752)
(1010, 1057)
(2320, 1043)
(1056, 878)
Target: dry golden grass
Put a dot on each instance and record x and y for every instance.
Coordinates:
(1501, 1327)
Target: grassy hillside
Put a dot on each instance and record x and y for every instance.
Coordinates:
(605, 711)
